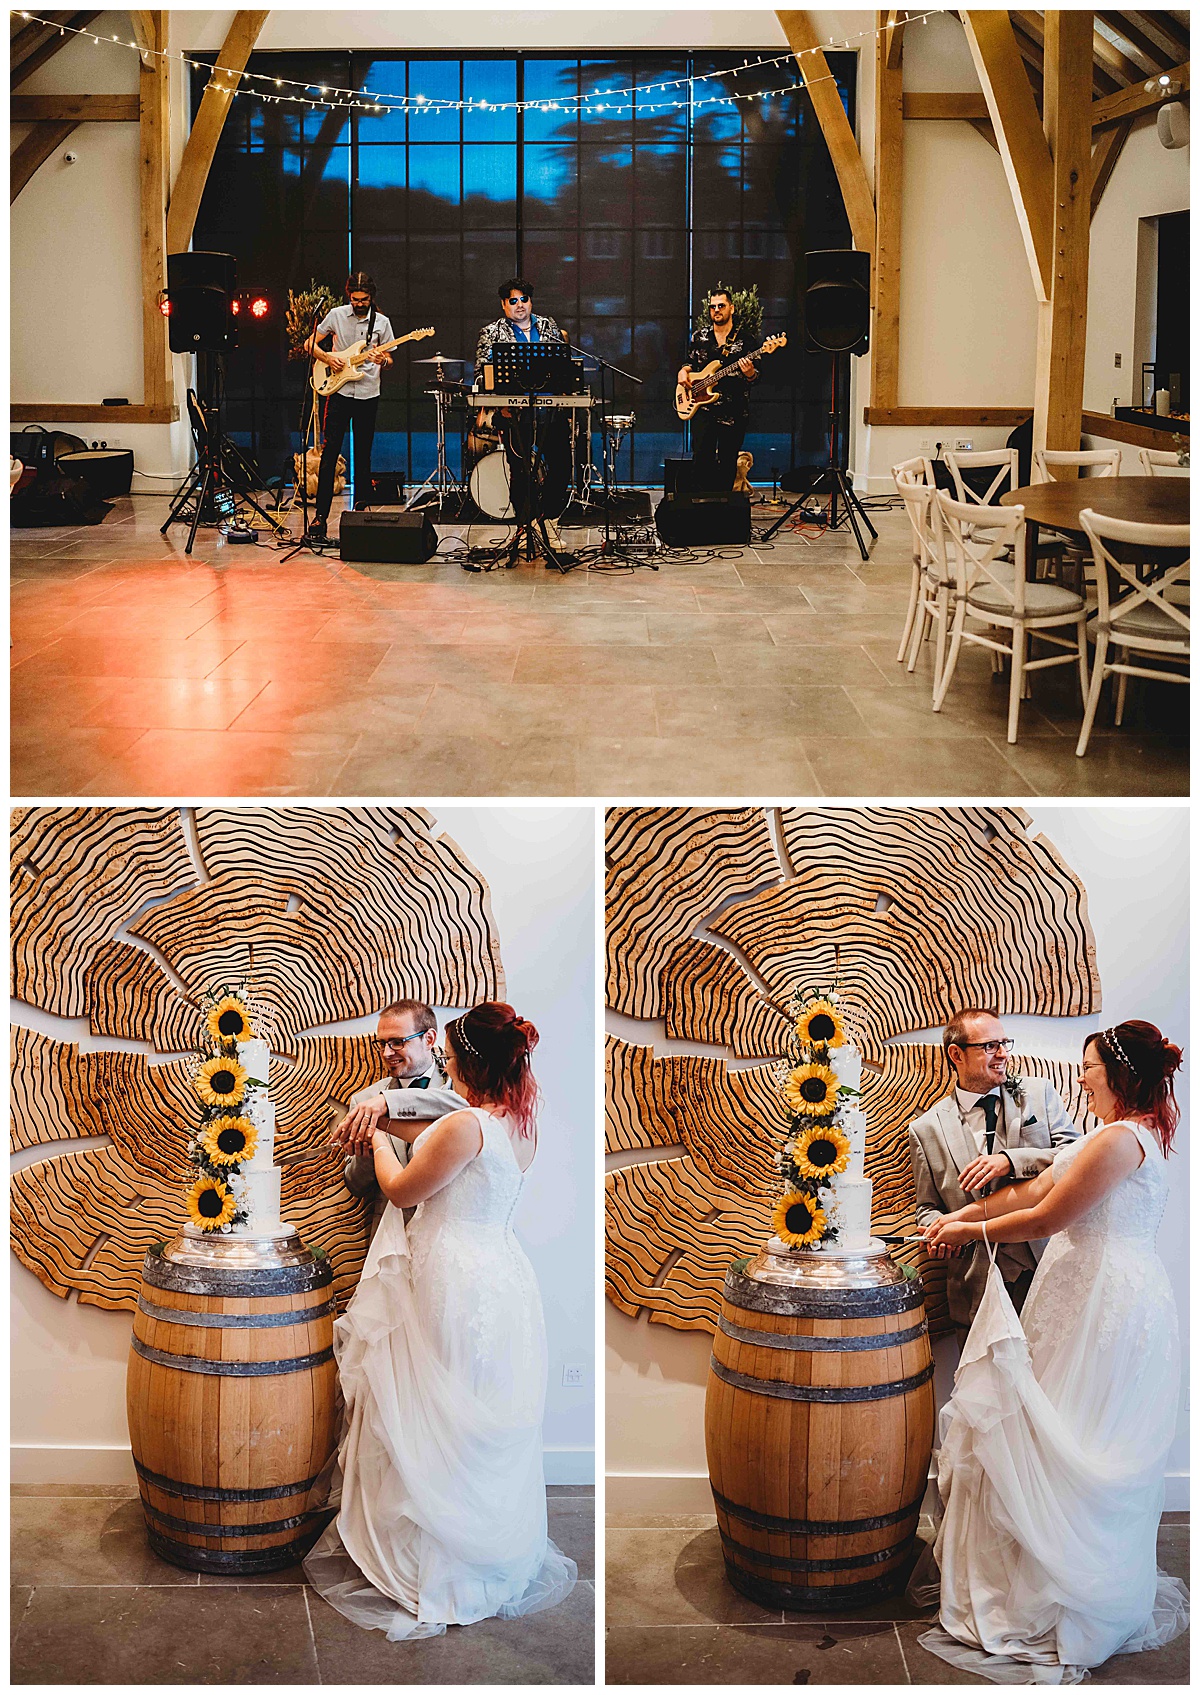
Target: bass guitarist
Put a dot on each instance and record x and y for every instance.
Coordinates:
(355, 405)
(718, 430)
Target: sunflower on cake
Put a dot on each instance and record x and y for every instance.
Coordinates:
(826, 1202)
(237, 1187)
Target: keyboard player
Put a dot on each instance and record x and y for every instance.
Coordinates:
(531, 436)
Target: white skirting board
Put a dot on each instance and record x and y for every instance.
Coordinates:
(634, 1492)
(45, 1463)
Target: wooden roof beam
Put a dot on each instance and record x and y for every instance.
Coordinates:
(1173, 37)
(1127, 102)
(835, 127)
(28, 53)
(207, 126)
(1105, 154)
(1106, 49)
(31, 153)
(1151, 55)
(1018, 128)
(895, 39)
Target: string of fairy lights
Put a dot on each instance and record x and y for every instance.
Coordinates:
(616, 102)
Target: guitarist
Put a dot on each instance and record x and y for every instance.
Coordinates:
(719, 430)
(354, 406)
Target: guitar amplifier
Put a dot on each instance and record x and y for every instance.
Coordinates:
(703, 520)
(387, 538)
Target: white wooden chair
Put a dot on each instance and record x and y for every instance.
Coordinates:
(990, 590)
(934, 584)
(1157, 463)
(1001, 460)
(1099, 462)
(912, 470)
(1142, 618)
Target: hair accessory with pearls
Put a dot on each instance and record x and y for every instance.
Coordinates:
(1110, 1037)
(461, 1035)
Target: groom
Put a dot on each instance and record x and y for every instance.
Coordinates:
(412, 1093)
(976, 1140)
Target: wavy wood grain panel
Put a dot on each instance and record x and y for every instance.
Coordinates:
(422, 898)
(346, 911)
(76, 874)
(669, 868)
(62, 1207)
(671, 1238)
(629, 1119)
(707, 997)
(127, 993)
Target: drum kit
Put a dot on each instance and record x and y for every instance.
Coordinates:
(485, 477)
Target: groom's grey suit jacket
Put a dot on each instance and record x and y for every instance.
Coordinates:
(430, 1102)
(941, 1146)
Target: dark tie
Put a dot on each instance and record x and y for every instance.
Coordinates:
(991, 1107)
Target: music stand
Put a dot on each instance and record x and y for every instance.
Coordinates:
(533, 370)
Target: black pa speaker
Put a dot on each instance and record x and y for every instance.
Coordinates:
(387, 538)
(837, 300)
(200, 289)
(703, 520)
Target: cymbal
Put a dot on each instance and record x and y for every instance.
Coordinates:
(440, 359)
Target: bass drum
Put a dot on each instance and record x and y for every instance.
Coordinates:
(490, 487)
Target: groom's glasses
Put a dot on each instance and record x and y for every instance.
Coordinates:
(1006, 1046)
(397, 1042)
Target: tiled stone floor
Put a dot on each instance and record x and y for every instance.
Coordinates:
(671, 1617)
(137, 671)
(91, 1604)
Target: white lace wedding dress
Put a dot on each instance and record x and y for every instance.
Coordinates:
(1053, 1449)
(442, 1363)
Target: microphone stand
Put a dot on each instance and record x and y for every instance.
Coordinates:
(608, 547)
(304, 545)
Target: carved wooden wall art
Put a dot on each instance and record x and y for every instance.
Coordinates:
(912, 913)
(345, 910)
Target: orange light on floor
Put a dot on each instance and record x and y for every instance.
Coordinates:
(259, 306)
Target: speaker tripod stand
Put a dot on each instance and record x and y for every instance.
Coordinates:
(833, 478)
(220, 480)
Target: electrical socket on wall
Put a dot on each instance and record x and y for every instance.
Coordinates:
(573, 1376)
(962, 445)
(1117, 361)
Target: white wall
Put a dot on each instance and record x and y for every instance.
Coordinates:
(1133, 861)
(68, 1361)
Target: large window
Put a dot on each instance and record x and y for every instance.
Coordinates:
(621, 218)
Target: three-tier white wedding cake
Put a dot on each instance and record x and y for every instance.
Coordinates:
(826, 1203)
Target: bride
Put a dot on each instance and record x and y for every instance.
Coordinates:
(1054, 1444)
(442, 1364)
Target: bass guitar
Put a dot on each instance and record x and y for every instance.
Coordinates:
(702, 390)
(327, 381)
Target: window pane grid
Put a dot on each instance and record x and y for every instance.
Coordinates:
(623, 219)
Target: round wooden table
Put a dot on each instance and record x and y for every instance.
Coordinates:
(1137, 500)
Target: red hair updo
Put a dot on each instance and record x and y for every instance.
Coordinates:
(1140, 1064)
(492, 1044)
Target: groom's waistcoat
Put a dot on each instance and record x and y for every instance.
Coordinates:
(941, 1146)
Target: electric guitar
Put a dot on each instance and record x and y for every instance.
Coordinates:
(702, 390)
(327, 381)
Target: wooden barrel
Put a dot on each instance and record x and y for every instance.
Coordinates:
(232, 1416)
(819, 1427)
